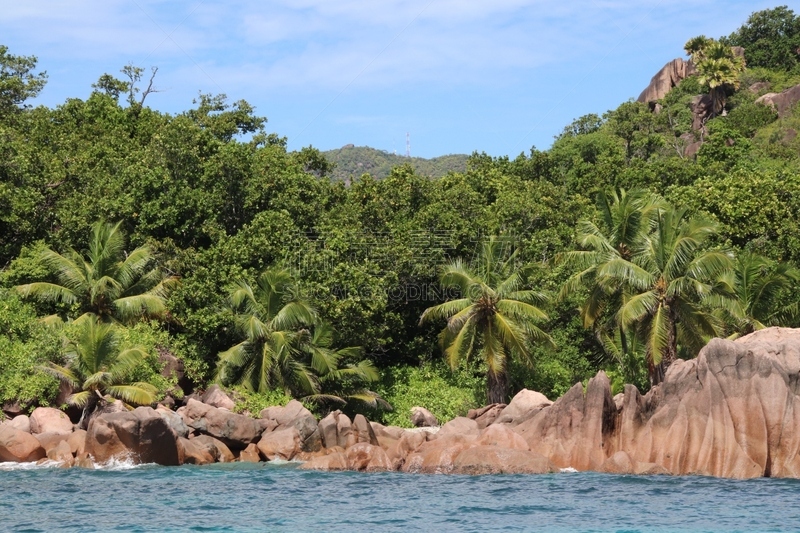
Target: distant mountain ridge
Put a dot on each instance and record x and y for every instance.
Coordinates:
(357, 160)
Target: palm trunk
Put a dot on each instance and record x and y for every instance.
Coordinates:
(497, 386)
(655, 372)
(671, 353)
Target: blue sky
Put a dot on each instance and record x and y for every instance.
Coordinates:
(497, 76)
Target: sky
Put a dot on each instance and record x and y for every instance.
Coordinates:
(457, 76)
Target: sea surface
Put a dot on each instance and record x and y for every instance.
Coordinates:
(270, 497)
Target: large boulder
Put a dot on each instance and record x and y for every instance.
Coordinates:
(486, 416)
(366, 457)
(216, 397)
(50, 420)
(438, 456)
(61, 454)
(197, 453)
(19, 446)
(51, 440)
(524, 405)
(460, 426)
(421, 417)
(734, 411)
(77, 442)
(174, 420)
(217, 448)
(282, 443)
(295, 415)
(619, 463)
(502, 436)
(702, 107)
(363, 430)
(665, 79)
(236, 431)
(250, 454)
(782, 102)
(140, 435)
(573, 431)
(480, 460)
(336, 429)
(331, 462)
(21, 422)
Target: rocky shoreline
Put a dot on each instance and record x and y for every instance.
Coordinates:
(732, 412)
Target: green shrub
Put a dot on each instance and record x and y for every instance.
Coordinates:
(253, 402)
(25, 344)
(444, 393)
(153, 339)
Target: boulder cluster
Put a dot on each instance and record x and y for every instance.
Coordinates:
(734, 411)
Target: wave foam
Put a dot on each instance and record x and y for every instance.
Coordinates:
(115, 464)
(8, 466)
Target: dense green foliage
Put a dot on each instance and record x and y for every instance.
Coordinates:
(213, 197)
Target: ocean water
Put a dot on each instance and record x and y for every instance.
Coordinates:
(269, 497)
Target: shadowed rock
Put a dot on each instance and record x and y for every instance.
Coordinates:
(665, 79)
(421, 417)
(732, 412)
(485, 416)
(236, 431)
(140, 435)
(782, 102)
(216, 397)
(282, 443)
(294, 414)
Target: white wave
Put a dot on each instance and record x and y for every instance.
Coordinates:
(8, 466)
(569, 470)
(116, 464)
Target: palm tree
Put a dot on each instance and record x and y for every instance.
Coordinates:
(625, 218)
(756, 283)
(287, 347)
(99, 364)
(343, 373)
(718, 68)
(274, 322)
(668, 279)
(108, 283)
(494, 317)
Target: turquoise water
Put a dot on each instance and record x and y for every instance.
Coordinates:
(264, 497)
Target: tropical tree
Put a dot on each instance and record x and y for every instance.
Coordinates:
(109, 283)
(494, 316)
(756, 284)
(99, 364)
(273, 321)
(343, 373)
(718, 68)
(624, 221)
(668, 279)
(286, 347)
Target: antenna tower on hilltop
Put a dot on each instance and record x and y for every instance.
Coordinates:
(408, 145)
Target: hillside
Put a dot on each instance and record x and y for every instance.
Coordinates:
(357, 160)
